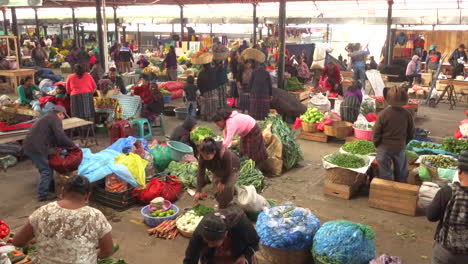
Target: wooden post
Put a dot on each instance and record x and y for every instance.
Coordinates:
(182, 24)
(14, 29)
(389, 45)
(328, 33)
(211, 30)
(282, 42)
(254, 37)
(36, 20)
(5, 27)
(61, 31)
(100, 33)
(124, 34)
(75, 28)
(138, 37)
(82, 36)
(116, 24)
(44, 28)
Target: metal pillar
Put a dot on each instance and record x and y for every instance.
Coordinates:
(82, 36)
(255, 23)
(282, 42)
(5, 23)
(388, 58)
(211, 30)
(61, 31)
(36, 20)
(182, 24)
(14, 29)
(328, 33)
(138, 37)
(75, 28)
(100, 33)
(124, 34)
(116, 24)
(44, 28)
(105, 51)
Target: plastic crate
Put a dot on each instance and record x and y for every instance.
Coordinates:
(119, 201)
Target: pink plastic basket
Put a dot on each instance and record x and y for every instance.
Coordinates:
(363, 134)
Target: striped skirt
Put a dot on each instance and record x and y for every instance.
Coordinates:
(252, 145)
(349, 109)
(209, 103)
(259, 107)
(222, 96)
(82, 106)
(244, 101)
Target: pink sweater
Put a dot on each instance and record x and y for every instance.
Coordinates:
(81, 85)
(237, 124)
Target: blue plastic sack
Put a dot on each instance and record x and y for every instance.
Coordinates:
(128, 143)
(97, 166)
(428, 151)
(287, 227)
(344, 242)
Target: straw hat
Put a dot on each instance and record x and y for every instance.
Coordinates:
(253, 54)
(396, 96)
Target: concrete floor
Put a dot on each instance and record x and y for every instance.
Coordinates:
(408, 237)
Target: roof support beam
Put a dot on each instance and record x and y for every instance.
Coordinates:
(100, 33)
(388, 44)
(14, 29)
(182, 24)
(116, 25)
(36, 21)
(255, 24)
(282, 42)
(75, 29)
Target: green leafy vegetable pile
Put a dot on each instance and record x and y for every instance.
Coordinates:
(111, 261)
(293, 84)
(201, 133)
(292, 152)
(250, 175)
(361, 147)
(423, 145)
(346, 160)
(455, 146)
(440, 161)
(312, 115)
(202, 210)
(186, 172)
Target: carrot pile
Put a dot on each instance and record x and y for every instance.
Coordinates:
(166, 230)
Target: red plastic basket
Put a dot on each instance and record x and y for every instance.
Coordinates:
(363, 134)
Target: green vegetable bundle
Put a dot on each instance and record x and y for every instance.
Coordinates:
(293, 84)
(164, 92)
(361, 147)
(455, 146)
(201, 133)
(346, 160)
(202, 210)
(250, 175)
(440, 161)
(292, 152)
(312, 115)
(186, 172)
(423, 145)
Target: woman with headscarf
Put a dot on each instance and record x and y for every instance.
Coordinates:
(412, 70)
(243, 84)
(206, 83)
(226, 237)
(260, 93)
(81, 87)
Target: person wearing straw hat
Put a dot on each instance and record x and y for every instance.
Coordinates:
(449, 207)
(393, 129)
(47, 133)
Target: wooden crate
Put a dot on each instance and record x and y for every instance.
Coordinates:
(393, 196)
(301, 96)
(344, 191)
(315, 136)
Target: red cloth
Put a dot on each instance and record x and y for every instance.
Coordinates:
(92, 60)
(69, 163)
(371, 117)
(57, 101)
(144, 92)
(168, 187)
(81, 85)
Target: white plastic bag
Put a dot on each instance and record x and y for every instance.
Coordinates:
(321, 102)
(427, 193)
(249, 200)
(368, 105)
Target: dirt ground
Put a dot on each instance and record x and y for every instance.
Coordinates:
(408, 237)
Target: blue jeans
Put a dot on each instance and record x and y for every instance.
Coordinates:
(192, 108)
(360, 73)
(400, 168)
(41, 161)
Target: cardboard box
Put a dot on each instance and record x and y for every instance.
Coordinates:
(393, 196)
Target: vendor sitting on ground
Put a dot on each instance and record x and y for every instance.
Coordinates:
(449, 208)
(68, 231)
(393, 129)
(350, 107)
(45, 134)
(116, 80)
(182, 133)
(303, 73)
(330, 80)
(224, 165)
(60, 91)
(251, 140)
(226, 237)
(152, 99)
(26, 91)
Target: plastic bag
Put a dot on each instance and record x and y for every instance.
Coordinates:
(168, 187)
(426, 194)
(367, 105)
(274, 148)
(68, 162)
(162, 157)
(321, 102)
(362, 123)
(287, 227)
(386, 259)
(249, 200)
(135, 164)
(115, 184)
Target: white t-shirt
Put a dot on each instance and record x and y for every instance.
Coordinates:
(66, 236)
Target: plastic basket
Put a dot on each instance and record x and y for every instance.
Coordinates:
(155, 221)
(119, 201)
(179, 150)
(181, 113)
(309, 127)
(339, 129)
(363, 134)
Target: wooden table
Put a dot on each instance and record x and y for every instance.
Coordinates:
(15, 75)
(69, 123)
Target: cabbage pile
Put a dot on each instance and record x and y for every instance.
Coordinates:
(343, 242)
(287, 227)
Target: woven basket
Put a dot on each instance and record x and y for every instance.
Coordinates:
(343, 176)
(204, 58)
(283, 256)
(309, 127)
(185, 234)
(253, 54)
(339, 129)
(220, 55)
